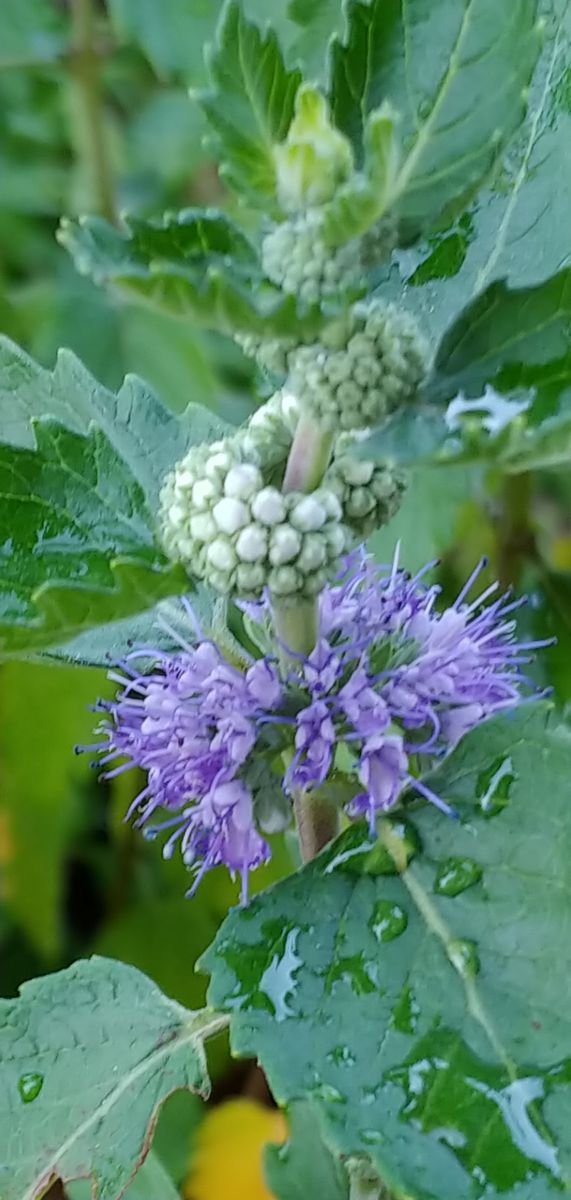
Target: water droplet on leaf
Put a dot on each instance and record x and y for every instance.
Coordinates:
(30, 1085)
(456, 875)
(405, 1012)
(388, 921)
(342, 1056)
(463, 955)
(494, 786)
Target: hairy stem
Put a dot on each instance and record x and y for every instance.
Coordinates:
(308, 458)
(317, 822)
(297, 624)
(297, 630)
(90, 132)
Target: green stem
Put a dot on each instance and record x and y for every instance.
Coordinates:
(317, 822)
(90, 130)
(297, 628)
(308, 458)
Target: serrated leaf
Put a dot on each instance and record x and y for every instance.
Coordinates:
(508, 339)
(367, 194)
(517, 228)
(87, 1057)
(250, 103)
(80, 500)
(76, 537)
(147, 436)
(423, 435)
(457, 74)
(423, 1013)
(168, 266)
(304, 1166)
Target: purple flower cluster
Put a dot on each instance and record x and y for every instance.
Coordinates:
(392, 680)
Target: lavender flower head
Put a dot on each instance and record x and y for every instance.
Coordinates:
(392, 679)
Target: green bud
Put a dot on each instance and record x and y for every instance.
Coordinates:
(315, 157)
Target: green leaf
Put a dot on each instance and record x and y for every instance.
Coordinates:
(152, 1181)
(422, 1013)
(457, 76)
(516, 228)
(80, 494)
(429, 516)
(509, 339)
(171, 35)
(366, 195)
(194, 266)
(76, 537)
(304, 1166)
(87, 1057)
(32, 33)
(42, 793)
(250, 104)
(512, 435)
(148, 437)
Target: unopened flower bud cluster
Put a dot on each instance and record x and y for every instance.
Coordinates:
(369, 494)
(296, 258)
(240, 534)
(379, 368)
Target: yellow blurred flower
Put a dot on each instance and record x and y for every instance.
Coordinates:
(227, 1162)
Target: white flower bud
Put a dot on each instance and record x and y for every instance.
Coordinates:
(203, 493)
(217, 464)
(203, 527)
(285, 545)
(313, 554)
(284, 581)
(308, 515)
(221, 554)
(242, 481)
(230, 515)
(269, 506)
(336, 539)
(250, 577)
(252, 544)
(356, 472)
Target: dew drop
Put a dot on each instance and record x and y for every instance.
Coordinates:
(463, 955)
(494, 785)
(406, 1012)
(388, 921)
(30, 1086)
(455, 875)
(342, 1056)
(355, 971)
(328, 1093)
(370, 1137)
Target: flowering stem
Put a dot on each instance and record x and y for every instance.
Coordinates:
(297, 629)
(308, 458)
(317, 822)
(297, 625)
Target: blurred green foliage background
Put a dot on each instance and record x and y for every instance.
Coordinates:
(95, 116)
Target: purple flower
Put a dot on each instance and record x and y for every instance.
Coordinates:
(315, 744)
(383, 771)
(393, 680)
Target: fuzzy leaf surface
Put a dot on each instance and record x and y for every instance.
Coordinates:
(509, 339)
(517, 228)
(250, 103)
(457, 73)
(422, 1013)
(205, 270)
(87, 1057)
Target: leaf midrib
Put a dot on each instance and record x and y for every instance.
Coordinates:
(194, 1036)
